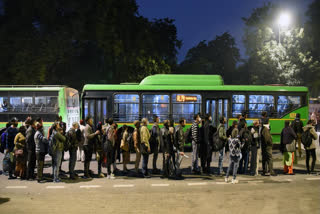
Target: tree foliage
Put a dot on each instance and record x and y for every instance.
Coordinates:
(277, 56)
(218, 56)
(75, 42)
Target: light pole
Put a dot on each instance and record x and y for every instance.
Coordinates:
(283, 21)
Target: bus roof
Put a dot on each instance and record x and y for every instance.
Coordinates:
(31, 88)
(174, 82)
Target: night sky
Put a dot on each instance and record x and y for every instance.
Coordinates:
(204, 19)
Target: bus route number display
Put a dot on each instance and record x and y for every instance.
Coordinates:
(183, 98)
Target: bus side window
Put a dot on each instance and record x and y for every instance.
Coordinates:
(287, 104)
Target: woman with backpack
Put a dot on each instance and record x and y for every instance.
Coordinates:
(309, 142)
(288, 147)
(20, 152)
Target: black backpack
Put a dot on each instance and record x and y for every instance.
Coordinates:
(2, 144)
(218, 144)
(306, 138)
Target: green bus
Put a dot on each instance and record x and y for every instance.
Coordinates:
(175, 96)
(39, 101)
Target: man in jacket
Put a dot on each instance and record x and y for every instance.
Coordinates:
(195, 132)
(40, 142)
(223, 137)
(145, 137)
(31, 147)
(156, 141)
(205, 146)
(88, 145)
(109, 143)
(179, 145)
(297, 126)
(74, 137)
(137, 143)
(311, 150)
(266, 144)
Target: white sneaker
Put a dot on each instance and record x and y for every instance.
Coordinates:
(234, 181)
(108, 177)
(112, 176)
(226, 180)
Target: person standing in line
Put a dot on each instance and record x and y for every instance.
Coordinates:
(195, 135)
(205, 146)
(88, 145)
(109, 147)
(125, 148)
(12, 131)
(266, 144)
(20, 152)
(137, 144)
(223, 137)
(311, 150)
(179, 145)
(31, 147)
(245, 138)
(80, 152)
(235, 146)
(98, 149)
(288, 147)
(255, 149)
(155, 142)
(145, 147)
(165, 147)
(297, 126)
(57, 150)
(41, 142)
(74, 137)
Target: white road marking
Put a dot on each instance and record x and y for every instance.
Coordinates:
(16, 187)
(254, 182)
(55, 187)
(160, 185)
(123, 185)
(197, 184)
(90, 186)
(312, 179)
(222, 183)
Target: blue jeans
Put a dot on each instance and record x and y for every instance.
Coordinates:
(195, 154)
(221, 156)
(145, 159)
(243, 166)
(57, 161)
(234, 163)
(72, 161)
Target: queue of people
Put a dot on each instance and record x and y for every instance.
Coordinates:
(26, 147)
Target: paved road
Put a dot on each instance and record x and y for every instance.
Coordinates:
(195, 194)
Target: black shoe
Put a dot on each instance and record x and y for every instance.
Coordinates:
(156, 171)
(12, 177)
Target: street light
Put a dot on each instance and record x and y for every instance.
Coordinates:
(284, 20)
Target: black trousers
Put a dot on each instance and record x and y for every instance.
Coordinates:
(253, 160)
(310, 152)
(88, 149)
(31, 164)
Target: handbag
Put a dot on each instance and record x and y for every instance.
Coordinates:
(124, 146)
(291, 147)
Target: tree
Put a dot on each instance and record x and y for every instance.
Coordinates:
(218, 56)
(272, 61)
(76, 42)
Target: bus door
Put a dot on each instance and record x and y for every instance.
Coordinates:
(217, 108)
(96, 108)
